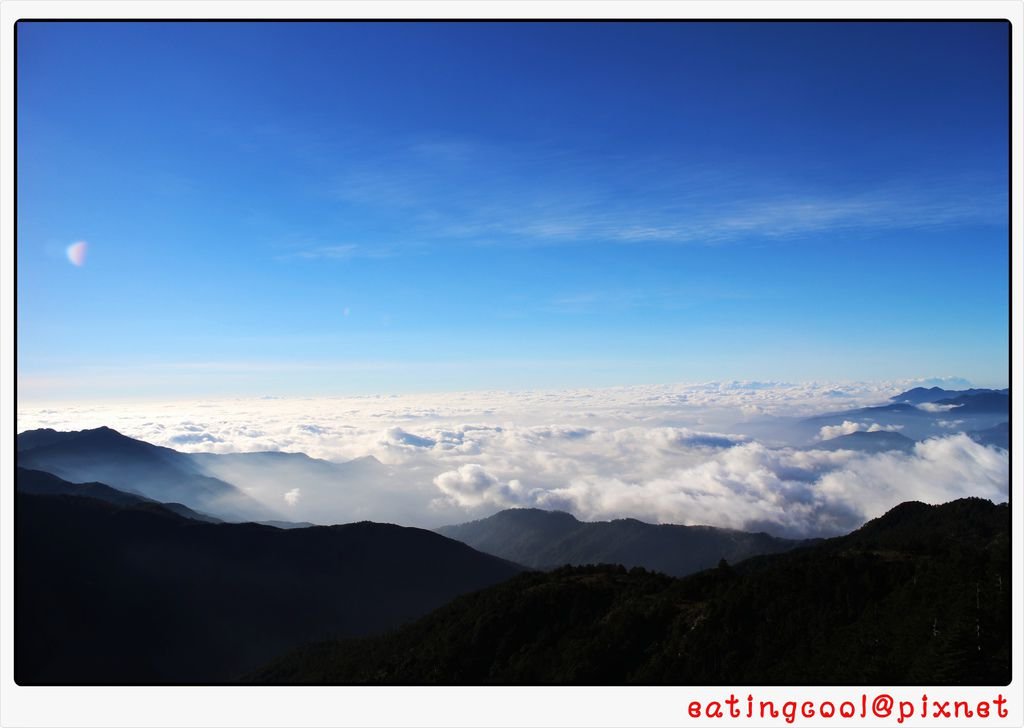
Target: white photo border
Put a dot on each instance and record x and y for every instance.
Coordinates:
(297, 707)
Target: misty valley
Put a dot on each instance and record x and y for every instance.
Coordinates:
(138, 563)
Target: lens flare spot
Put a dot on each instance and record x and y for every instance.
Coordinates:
(76, 253)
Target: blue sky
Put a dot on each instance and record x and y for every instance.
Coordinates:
(349, 208)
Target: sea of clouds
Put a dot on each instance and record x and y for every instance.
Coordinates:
(665, 454)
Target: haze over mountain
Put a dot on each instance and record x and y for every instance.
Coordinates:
(548, 539)
(99, 566)
(105, 455)
(918, 596)
(963, 411)
(134, 594)
(865, 441)
(36, 482)
(313, 489)
(982, 403)
(292, 466)
(434, 473)
(996, 436)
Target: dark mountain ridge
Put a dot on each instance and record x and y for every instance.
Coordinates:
(918, 596)
(920, 395)
(136, 594)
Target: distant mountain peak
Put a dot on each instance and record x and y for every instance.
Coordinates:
(927, 521)
(921, 395)
(546, 539)
(101, 431)
(102, 436)
(365, 460)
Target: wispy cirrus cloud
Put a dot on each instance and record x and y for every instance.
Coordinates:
(331, 252)
(589, 301)
(336, 252)
(535, 195)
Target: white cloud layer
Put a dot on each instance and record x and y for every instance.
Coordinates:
(936, 407)
(670, 454)
(849, 427)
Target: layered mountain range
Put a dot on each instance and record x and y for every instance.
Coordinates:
(920, 395)
(918, 596)
(138, 564)
(135, 539)
(135, 593)
(917, 414)
(548, 539)
(106, 456)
